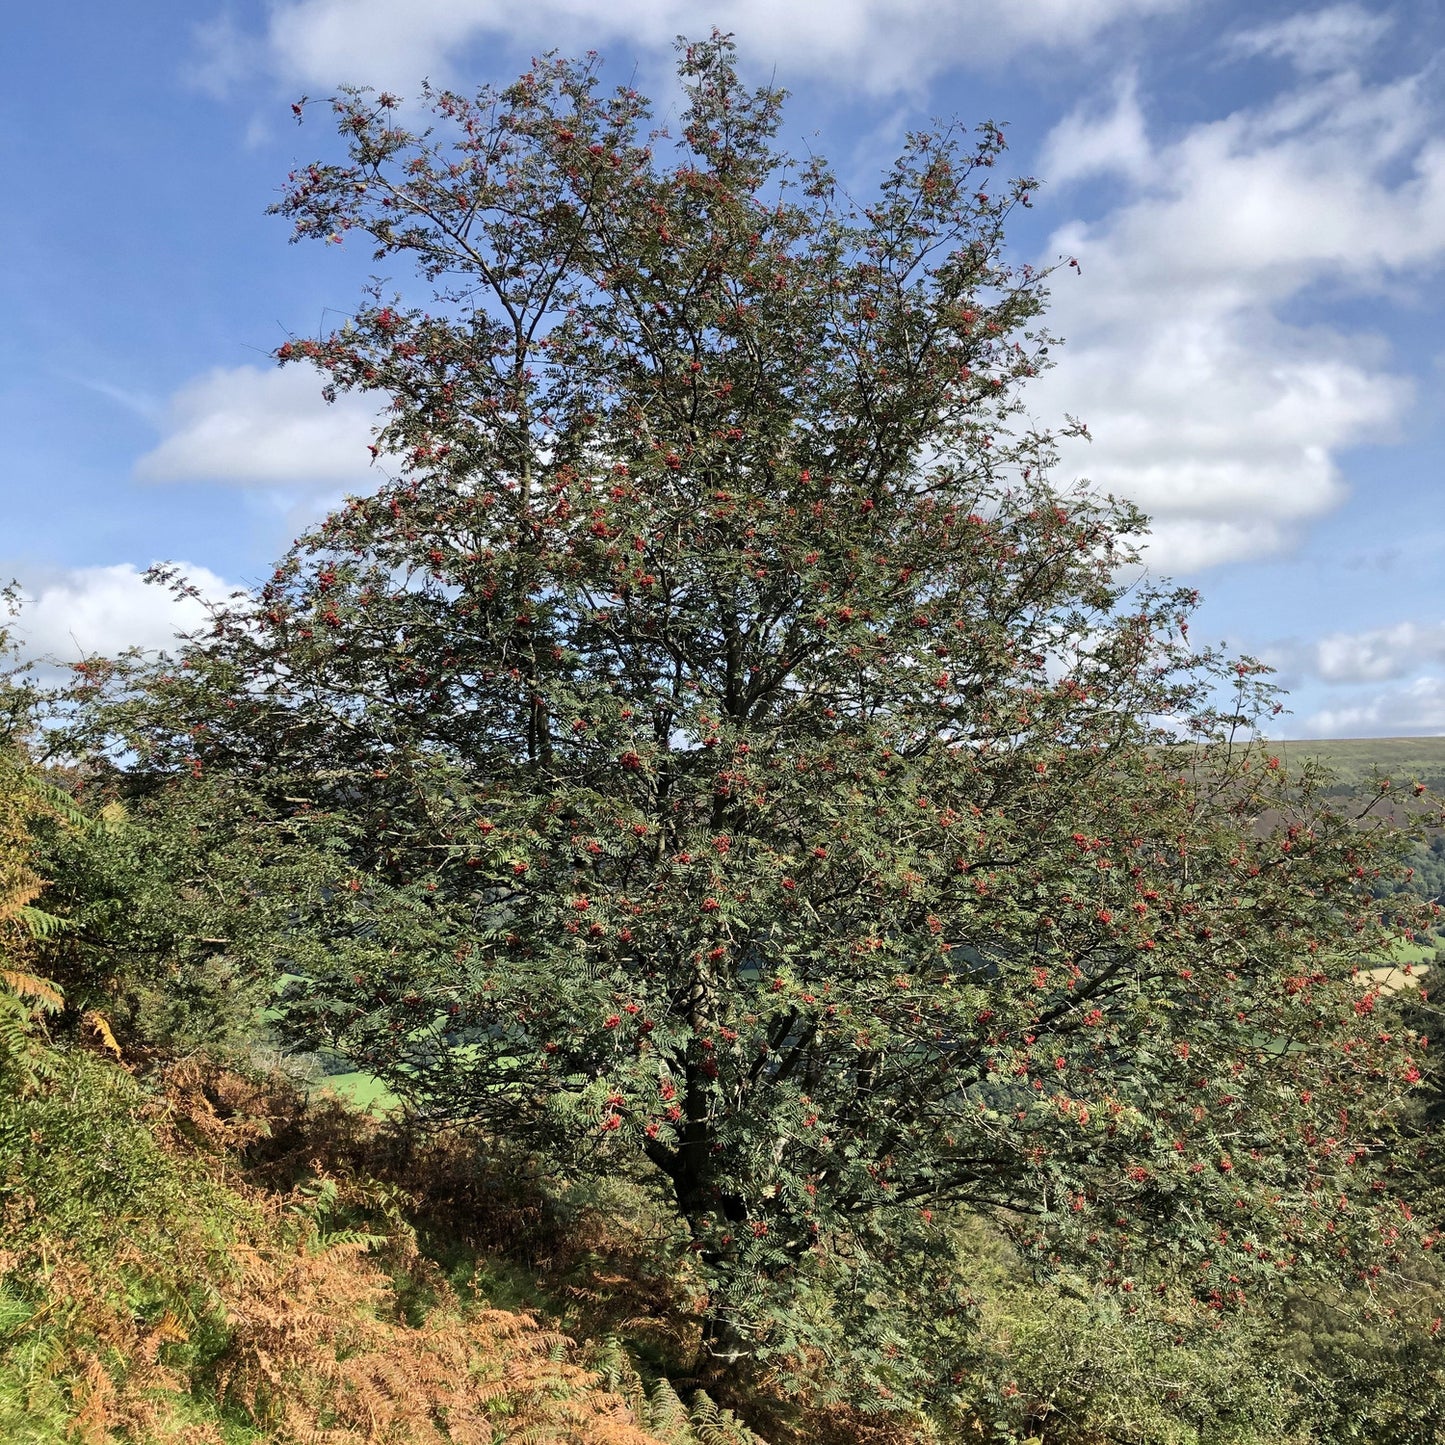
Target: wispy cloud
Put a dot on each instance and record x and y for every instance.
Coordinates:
(1315, 41)
(137, 403)
(223, 56)
(879, 46)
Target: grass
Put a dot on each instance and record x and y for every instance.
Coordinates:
(361, 1090)
(1357, 761)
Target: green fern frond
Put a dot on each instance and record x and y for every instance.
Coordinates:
(40, 924)
(25, 1061)
(715, 1426)
(58, 801)
(666, 1416)
(15, 1035)
(610, 1360)
(353, 1238)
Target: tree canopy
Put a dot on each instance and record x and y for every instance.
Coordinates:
(719, 749)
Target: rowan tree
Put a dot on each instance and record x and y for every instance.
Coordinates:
(732, 757)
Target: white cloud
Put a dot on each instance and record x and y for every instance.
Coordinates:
(1114, 141)
(1376, 654)
(881, 45)
(100, 611)
(268, 428)
(1416, 708)
(1380, 654)
(1316, 41)
(1221, 415)
(224, 56)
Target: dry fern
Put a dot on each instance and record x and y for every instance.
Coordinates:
(41, 991)
(21, 923)
(313, 1356)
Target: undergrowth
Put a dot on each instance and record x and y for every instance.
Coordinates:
(198, 1254)
(158, 1284)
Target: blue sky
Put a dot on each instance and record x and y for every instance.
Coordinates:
(1255, 194)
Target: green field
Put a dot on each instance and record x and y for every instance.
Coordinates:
(361, 1090)
(1357, 761)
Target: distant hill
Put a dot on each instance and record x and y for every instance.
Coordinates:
(1357, 761)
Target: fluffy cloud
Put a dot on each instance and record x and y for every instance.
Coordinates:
(1379, 655)
(1101, 141)
(1374, 655)
(100, 611)
(1416, 708)
(1341, 675)
(268, 428)
(1210, 403)
(881, 45)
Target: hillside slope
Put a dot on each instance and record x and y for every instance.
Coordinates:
(152, 1288)
(1356, 762)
